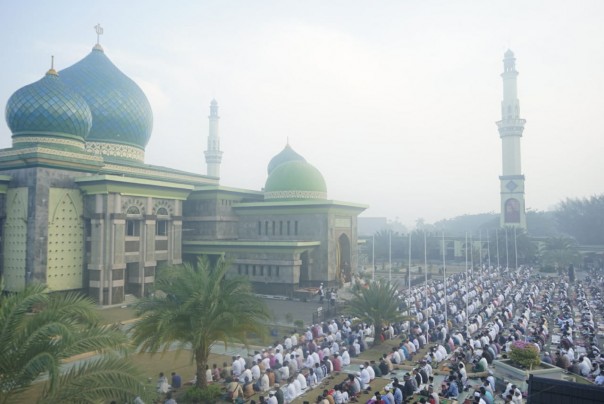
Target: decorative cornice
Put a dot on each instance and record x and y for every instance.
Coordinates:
(51, 140)
(153, 173)
(115, 150)
(56, 152)
(295, 195)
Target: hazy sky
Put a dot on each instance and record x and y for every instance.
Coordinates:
(395, 102)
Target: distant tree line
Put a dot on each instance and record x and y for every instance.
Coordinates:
(582, 219)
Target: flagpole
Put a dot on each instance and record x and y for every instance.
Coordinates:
(507, 252)
(467, 285)
(426, 268)
(480, 240)
(515, 248)
(409, 280)
(390, 256)
(445, 280)
(497, 243)
(489, 248)
(373, 258)
(471, 255)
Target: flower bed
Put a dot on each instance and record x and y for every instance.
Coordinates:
(525, 354)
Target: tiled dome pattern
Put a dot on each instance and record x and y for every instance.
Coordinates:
(48, 107)
(120, 110)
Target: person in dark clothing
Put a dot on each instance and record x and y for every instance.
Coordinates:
(376, 369)
(279, 394)
(383, 366)
(408, 388)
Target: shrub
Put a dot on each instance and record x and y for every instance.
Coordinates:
(548, 269)
(289, 318)
(299, 323)
(525, 354)
(209, 395)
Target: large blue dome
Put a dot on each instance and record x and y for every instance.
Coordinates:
(120, 110)
(47, 108)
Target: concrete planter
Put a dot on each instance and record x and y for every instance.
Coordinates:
(504, 370)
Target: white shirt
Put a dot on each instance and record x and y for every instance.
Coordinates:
(255, 372)
(290, 392)
(284, 372)
(298, 387)
(236, 368)
(264, 383)
(246, 373)
(345, 358)
(302, 380)
(309, 362)
(371, 372)
(365, 378)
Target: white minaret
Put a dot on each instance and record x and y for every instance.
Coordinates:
(511, 127)
(213, 154)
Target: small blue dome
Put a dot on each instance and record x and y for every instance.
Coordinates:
(120, 110)
(48, 107)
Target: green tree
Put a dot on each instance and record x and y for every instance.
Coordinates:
(582, 219)
(38, 330)
(197, 306)
(377, 304)
(511, 241)
(560, 252)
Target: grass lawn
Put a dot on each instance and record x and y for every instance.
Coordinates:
(117, 314)
(150, 367)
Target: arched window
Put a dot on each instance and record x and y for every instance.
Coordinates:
(161, 225)
(133, 226)
(133, 210)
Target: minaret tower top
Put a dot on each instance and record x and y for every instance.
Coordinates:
(213, 153)
(511, 127)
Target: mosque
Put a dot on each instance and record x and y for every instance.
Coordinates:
(81, 210)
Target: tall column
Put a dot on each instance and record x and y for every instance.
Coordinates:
(213, 154)
(511, 127)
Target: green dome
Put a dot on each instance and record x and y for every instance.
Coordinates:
(48, 109)
(295, 180)
(121, 113)
(284, 156)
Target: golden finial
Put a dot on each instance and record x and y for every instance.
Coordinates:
(52, 70)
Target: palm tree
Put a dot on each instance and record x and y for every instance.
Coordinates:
(560, 252)
(377, 304)
(195, 307)
(39, 330)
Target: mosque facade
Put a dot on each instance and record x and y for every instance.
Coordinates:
(81, 210)
(511, 127)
